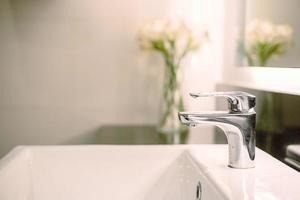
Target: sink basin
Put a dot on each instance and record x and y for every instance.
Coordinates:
(178, 172)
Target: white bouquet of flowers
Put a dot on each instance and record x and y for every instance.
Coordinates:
(170, 37)
(265, 39)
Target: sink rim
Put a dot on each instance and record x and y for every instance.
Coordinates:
(265, 179)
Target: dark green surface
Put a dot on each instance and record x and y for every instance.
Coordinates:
(126, 135)
(129, 135)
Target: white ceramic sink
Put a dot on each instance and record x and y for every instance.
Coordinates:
(140, 173)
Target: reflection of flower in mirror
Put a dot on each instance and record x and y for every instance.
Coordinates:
(265, 39)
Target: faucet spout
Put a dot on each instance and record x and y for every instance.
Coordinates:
(238, 125)
(238, 128)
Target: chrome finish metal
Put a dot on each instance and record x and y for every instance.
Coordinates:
(238, 125)
(237, 101)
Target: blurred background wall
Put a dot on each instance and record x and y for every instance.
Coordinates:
(68, 67)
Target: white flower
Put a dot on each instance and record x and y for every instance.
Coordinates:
(284, 33)
(174, 29)
(265, 39)
(174, 36)
(263, 31)
(259, 31)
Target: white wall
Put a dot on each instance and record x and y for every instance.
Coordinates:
(69, 66)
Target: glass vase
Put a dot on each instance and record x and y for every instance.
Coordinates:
(172, 102)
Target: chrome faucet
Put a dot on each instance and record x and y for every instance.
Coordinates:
(238, 125)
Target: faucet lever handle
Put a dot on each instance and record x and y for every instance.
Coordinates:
(237, 101)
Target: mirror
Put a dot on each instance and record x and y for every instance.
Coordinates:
(271, 35)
